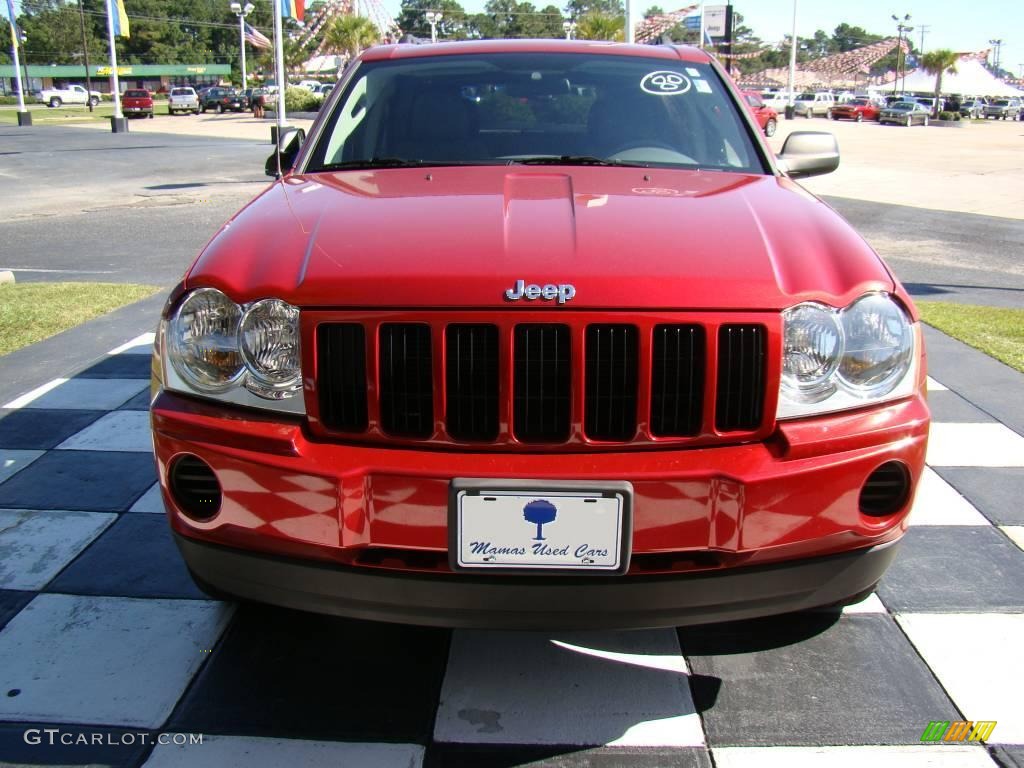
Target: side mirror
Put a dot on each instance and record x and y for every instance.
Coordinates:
(289, 142)
(809, 153)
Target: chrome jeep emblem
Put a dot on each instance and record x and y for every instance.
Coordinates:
(563, 292)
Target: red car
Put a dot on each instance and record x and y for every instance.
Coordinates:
(766, 117)
(539, 334)
(137, 102)
(856, 109)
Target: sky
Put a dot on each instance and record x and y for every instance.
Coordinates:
(957, 25)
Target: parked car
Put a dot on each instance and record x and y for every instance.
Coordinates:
(811, 104)
(904, 113)
(642, 402)
(182, 99)
(1005, 109)
(766, 117)
(855, 109)
(973, 108)
(137, 102)
(324, 89)
(222, 100)
(72, 94)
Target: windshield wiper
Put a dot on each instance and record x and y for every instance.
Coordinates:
(389, 162)
(575, 160)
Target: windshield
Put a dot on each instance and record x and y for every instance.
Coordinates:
(136, 94)
(182, 92)
(805, 97)
(1002, 103)
(504, 108)
(904, 105)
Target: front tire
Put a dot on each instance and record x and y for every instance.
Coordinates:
(860, 117)
(769, 127)
(910, 121)
(93, 101)
(220, 109)
(925, 123)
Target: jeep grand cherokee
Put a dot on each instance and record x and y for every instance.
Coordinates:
(539, 334)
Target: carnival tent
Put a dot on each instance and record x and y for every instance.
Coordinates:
(971, 79)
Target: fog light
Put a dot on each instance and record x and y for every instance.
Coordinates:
(194, 487)
(886, 490)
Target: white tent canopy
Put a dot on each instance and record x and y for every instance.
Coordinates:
(971, 79)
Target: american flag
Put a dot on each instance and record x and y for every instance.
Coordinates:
(256, 38)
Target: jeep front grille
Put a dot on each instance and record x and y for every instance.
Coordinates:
(520, 380)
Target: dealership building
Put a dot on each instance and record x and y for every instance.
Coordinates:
(154, 77)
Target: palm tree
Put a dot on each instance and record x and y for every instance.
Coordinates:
(349, 35)
(938, 62)
(601, 26)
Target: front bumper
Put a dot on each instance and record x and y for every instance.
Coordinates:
(530, 604)
(718, 532)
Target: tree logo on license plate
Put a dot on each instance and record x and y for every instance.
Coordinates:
(540, 512)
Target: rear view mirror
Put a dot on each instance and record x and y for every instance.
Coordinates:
(289, 143)
(809, 153)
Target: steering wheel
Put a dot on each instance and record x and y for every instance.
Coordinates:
(663, 152)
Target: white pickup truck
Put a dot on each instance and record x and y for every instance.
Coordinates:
(73, 94)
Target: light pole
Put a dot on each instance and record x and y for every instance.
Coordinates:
(570, 29)
(241, 13)
(901, 27)
(997, 44)
(792, 64)
(433, 18)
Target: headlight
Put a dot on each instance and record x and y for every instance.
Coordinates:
(838, 359)
(203, 341)
(811, 348)
(269, 336)
(879, 346)
(247, 355)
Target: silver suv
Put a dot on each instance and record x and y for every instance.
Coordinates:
(1007, 109)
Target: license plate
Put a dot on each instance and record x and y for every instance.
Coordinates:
(529, 525)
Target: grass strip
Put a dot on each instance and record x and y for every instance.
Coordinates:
(996, 331)
(31, 312)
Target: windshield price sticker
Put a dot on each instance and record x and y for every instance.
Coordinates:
(665, 83)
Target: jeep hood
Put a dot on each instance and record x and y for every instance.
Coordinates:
(461, 236)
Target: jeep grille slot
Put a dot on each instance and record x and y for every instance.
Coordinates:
(611, 375)
(406, 380)
(542, 377)
(741, 377)
(677, 380)
(471, 383)
(342, 376)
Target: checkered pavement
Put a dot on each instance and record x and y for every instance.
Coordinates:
(102, 632)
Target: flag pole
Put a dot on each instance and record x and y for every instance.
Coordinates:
(117, 124)
(22, 110)
(282, 82)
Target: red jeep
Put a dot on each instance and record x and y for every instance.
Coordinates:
(539, 334)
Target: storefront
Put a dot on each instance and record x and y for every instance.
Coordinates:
(153, 77)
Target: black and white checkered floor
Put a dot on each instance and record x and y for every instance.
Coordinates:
(104, 633)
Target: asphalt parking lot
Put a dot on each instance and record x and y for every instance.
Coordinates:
(101, 631)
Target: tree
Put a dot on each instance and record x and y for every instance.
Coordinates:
(540, 513)
(938, 62)
(601, 26)
(350, 35)
(5, 41)
(577, 9)
(453, 24)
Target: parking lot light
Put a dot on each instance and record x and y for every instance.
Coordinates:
(433, 18)
(241, 12)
